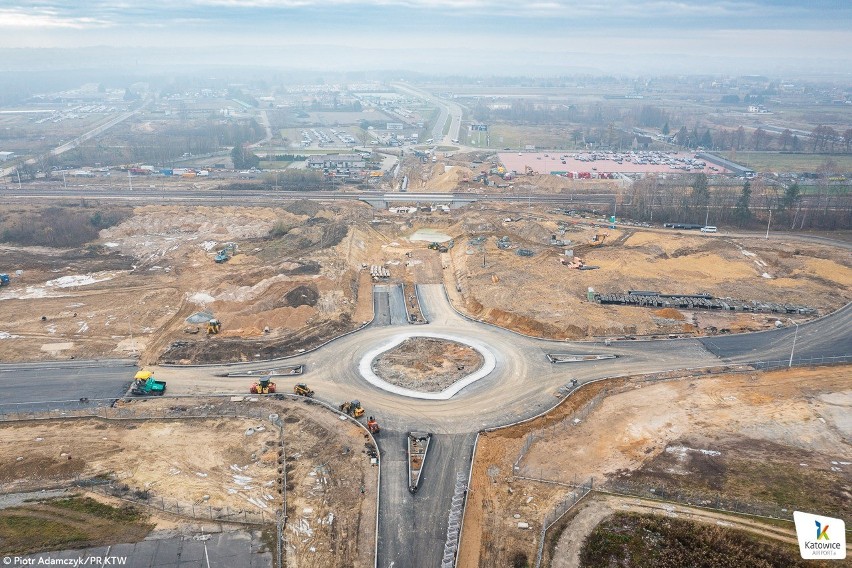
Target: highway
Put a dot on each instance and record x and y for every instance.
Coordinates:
(266, 198)
(413, 528)
(447, 109)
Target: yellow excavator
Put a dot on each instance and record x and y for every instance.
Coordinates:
(598, 240)
(213, 327)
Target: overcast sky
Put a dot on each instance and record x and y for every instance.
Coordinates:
(476, 36)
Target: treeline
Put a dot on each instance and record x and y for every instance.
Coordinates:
(745, 206)
(165, 146)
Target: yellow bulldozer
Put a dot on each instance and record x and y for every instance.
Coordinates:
(353, 408)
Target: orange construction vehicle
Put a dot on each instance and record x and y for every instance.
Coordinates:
(373, 426)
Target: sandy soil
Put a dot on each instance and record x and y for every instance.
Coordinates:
(539, 296)
(214, 463)
(156, 268)
(427, 364)
(788, 414)
(132, 295)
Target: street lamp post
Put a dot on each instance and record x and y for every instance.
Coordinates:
(793, 349)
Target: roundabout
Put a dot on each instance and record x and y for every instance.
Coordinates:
(367, 364)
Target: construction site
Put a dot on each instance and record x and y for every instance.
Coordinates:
(191, 462)
(277, 281)
(204, 298)
(747, 443)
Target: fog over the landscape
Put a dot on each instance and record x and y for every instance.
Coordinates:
(450, 36)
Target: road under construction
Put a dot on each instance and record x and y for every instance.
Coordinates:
(520, 385)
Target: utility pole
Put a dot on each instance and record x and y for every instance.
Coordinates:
(767, 224)
(17, 171)
(795, 335)
(130, 180)
(707, 217)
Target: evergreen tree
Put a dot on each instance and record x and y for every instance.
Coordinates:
(791, 195)
(742, 208)
(700, 191)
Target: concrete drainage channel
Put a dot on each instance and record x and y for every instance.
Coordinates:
(574, 358)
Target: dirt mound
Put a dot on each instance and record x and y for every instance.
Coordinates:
(303, 207)
(427, 364)
(302, 296)
(669, 313)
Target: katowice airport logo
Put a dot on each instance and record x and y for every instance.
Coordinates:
(820, 538)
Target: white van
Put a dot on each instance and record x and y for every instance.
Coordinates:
(708, 229)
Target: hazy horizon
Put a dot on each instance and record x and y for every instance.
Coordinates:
(476, 37)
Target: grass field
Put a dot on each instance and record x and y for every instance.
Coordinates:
(514, 137)
(632, 540)
(76, 522)
(777, 162)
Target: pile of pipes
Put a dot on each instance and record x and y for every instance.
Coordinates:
(377, 272)
(698, 302)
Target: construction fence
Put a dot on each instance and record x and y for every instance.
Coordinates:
(104, 409)
(195, 511)
(574, 497)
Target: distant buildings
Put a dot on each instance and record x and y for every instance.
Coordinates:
(6, 156)
(336, 162)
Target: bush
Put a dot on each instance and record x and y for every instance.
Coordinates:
(59, 227)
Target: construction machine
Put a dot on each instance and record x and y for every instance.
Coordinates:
(353, 408)
(146, 385)
(598, 240)
(4, 279)
(213, 327)
(373, 426)
(302, 389)
(263, 386)
(226, 253)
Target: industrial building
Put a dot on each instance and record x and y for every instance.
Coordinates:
(732, 167)
(336, 162)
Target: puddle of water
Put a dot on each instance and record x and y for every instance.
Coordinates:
(430, 235)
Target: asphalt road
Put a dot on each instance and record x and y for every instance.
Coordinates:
(826, 337)
(389, 305)
(412, 529)
(61, 384)
(238, 549)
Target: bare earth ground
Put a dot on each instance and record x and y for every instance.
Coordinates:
(214, 463)
(130, 293)
(427, 364)
(541, 297)
(774, 433)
